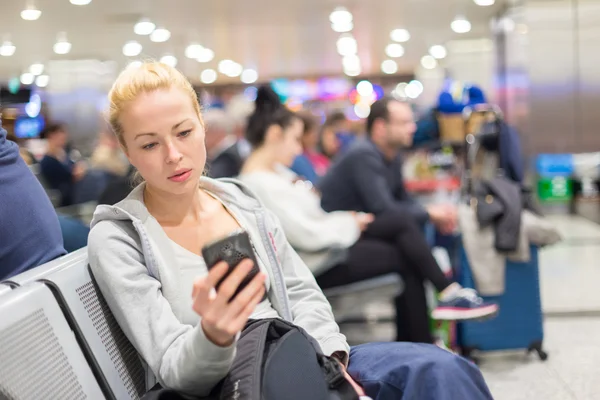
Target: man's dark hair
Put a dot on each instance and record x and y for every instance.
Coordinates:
(334, 118)
(50, 129)
(379, 110)
(309, 120)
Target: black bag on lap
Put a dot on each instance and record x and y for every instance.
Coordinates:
(276, 360)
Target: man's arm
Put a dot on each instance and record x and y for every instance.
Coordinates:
(375, 191)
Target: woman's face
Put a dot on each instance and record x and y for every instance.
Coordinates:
(290, 145)
(310, 139)
(330, 142)
(164, 140)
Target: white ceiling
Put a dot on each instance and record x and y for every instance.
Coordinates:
(276, 37)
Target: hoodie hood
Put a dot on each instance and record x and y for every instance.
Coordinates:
(132, 207)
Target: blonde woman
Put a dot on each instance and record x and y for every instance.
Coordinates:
(145, 253)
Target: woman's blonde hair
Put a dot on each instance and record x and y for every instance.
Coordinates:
(136, 80)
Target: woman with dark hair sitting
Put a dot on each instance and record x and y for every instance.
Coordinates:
(311, 164)
(344, 247)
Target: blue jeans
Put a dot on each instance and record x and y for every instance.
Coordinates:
(407, 371)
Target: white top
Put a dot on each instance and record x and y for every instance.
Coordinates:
(307, 226)
(192, 266)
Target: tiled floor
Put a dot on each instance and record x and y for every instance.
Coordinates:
(570, 275)
(570, 271)
(570, 283)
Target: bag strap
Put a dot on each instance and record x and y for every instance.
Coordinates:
(335, 378)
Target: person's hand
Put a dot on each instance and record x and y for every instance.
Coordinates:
(444, 217)
(363, 220)
(221, 319)
(359, 390)
(79, 170)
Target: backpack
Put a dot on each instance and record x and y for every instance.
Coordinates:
(276, 360)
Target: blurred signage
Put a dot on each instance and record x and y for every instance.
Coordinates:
(27, 127)
(550, 165)
(324, 89)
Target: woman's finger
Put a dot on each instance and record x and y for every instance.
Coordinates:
(245, 296)
(232, 282)
(201, 295)
(240, 321)
(217, 273)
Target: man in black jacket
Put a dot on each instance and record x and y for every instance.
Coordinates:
(368, 177)
(225, 159)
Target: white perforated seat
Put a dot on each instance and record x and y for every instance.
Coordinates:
(39, 356)
(35, 274)
(119, 365)
(4, 289)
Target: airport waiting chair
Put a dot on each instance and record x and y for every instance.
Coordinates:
(4, 289)
(35, 274)
(39, 356)
(347, 299)
(117, 362)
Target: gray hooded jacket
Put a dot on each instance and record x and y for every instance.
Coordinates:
(132, 261)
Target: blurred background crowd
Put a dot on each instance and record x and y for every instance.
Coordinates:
(522, 70)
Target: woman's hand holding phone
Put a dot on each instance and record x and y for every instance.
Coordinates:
(222, 319)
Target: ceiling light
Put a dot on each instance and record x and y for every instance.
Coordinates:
(27, 78)
(364, 88)
(389, 67)
(224, 66)
(7, 49)
(394, 50)
(351, 62)
(340, 16)
(36, 69)
(438, 51)
(400, 91)
(413, 89)
(484, 3)
(132, 49)
(144, 27)
(342, 28)
(81, 2)
(346, 45)
(353, 72)
(62, 45)
(362, 110)
(235, 70)
(208, 76)
(249, 76)
(428, 62)
(205, 55)
(134, 64)
(160, 35)
(169, 60)
(194, 50)
(42, 81)
(31, 13)
(400, 35)
(460, 25)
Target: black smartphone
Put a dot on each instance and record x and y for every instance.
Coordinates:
(232, 249)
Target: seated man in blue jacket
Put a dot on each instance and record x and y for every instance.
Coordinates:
(29, 229)
(368, 177)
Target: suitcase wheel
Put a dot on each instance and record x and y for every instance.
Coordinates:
(537, 346)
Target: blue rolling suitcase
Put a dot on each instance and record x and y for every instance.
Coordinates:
(519, 324)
